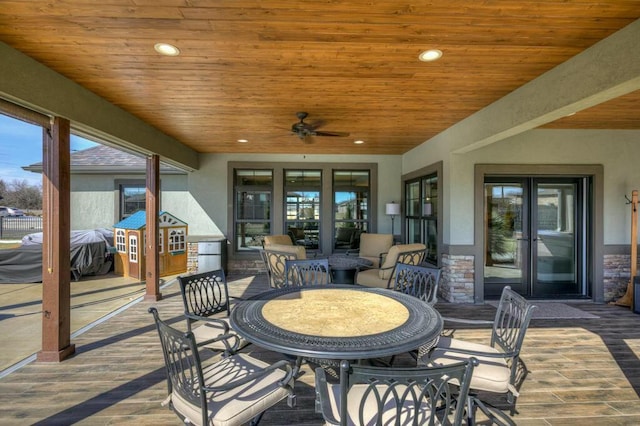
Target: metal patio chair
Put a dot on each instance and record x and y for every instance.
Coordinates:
(205, 297)
(301, 272)
(275, 257)
(235, 390)
(418, 281)
(421, 282)
(500, 369)
(395, 396)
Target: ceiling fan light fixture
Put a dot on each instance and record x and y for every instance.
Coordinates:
(430, 55)
(166, 49)
(358, 142)
(243, 140)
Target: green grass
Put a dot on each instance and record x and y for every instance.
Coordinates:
(5, 245)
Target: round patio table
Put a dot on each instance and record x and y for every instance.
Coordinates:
(336, 322)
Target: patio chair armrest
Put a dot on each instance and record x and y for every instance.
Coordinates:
(217, 321)
(381, 257)
(230, 348)
(505, 355)
(467, 321)
(256, 375)
(322, 398)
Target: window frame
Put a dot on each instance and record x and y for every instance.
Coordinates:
(236, 189)
(433, 171)
(277, 226)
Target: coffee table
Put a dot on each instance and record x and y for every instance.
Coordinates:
(344, 268)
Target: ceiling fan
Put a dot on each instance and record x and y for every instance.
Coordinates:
(303, 130)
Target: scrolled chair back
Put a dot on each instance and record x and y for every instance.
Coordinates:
(368, 395)
(303, 272)
(418, 281)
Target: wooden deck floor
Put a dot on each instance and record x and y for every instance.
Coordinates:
(582, 371)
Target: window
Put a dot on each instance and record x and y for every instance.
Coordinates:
(133, 248)
(350, 206)
(302, 206)
(421, 219)
(121, 242)
(253, 204)
(132, 198)
(318, 204)
(177, 239)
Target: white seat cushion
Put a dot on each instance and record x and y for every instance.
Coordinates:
(491, 374)
(238, 405)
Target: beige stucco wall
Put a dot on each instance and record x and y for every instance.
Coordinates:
(94, 198)
(88, 192)
(617, 151)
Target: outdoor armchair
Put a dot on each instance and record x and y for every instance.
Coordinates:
(205, 297)
(233, 391)
(500, 369)
(383, 277)
(280, 239)
(373, 247)
(394, 396)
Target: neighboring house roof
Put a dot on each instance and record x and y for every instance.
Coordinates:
(105, 159)
(138, 220)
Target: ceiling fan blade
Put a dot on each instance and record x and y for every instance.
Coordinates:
(336, 134)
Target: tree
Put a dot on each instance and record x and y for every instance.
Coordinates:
(21, 194)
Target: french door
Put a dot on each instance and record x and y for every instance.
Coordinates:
(536, 236)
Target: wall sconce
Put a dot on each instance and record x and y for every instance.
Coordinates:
(392, 209)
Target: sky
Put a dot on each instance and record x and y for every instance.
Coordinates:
(21, 145)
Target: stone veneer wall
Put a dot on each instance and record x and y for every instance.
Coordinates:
(192, 258)
(457, 282)
(616, 272)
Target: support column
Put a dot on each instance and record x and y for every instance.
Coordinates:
(152, 275)
(56, 263)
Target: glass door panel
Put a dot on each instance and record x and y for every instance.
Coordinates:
(506, 242)
(556, 240)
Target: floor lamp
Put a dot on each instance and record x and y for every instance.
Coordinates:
(392, 209)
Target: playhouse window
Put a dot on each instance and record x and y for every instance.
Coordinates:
(121, 242)
(133, 248)
(177, 240)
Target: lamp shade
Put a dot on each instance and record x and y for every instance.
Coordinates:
(393, 209)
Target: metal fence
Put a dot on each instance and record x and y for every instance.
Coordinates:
(14, 228)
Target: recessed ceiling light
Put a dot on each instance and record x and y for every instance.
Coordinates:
(243, 140)
(166, 49)
(358, 142)
(430, 55)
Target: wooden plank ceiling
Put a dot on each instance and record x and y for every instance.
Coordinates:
(247, 66)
